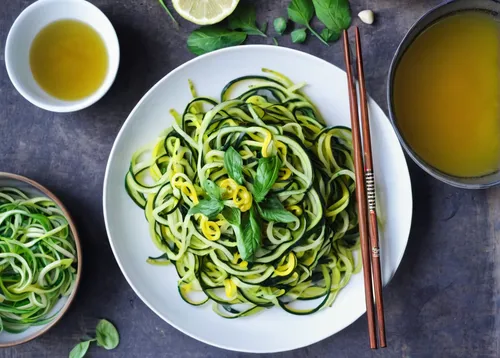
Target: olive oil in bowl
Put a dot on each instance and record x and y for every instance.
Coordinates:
(69, 60)
(446, 95)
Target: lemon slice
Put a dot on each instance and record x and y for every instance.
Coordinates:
(205, 12)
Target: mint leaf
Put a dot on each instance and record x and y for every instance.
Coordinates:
(301, 12)
(330, 35)
(80, 350)
(244, 19)
(210, 208)
(250, 241)
(267, 173)
(211, 38)
(212, 189)
(107, 335)
(299, 36)
(234, 165)
(272, 209)
(280, 25)
(334, 14)
(232, 215)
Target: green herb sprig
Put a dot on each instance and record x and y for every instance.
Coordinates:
(107, 337)
(244, 18)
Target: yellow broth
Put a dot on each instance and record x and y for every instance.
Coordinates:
(447, 94)
(69, 60)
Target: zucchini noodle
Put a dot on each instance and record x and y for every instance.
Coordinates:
(37, 260)
(310, 254)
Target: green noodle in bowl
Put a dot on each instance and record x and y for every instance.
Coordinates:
(38, 260)
(251, 199)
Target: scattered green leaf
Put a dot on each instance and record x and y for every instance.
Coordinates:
(244, 19)
(210, 208)
(263, 27)
(329, 35)
(162, 3)
(234, 164)
(251, 238)
(275, 41)
(280, 24)
(80, 350)
(267, 173)
(212, 189)
(272, 209)
(299, 35)
(211, 38)
(107, 335)
(334, 14)
(232, 215)
(301, 12)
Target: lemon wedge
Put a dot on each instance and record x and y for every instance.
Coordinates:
(205, 12)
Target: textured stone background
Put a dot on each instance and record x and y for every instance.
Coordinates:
(444, 300)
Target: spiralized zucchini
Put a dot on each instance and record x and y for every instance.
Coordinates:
(190, 183)
(37, 260)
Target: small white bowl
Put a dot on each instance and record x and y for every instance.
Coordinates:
(33, 19)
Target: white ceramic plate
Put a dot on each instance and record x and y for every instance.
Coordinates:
(272, 330)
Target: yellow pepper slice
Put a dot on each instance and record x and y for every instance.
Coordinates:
(266, 143)
(286, 269)
(229, 186)
(284, 173)
(230, 288)
(210, 229)
(189, 190)
(295, 209)
(242, 198)
(281, 148)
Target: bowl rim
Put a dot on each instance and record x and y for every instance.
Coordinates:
(67, 106)
(413, 32)
(76, 238)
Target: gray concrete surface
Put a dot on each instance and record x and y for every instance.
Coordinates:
(444, 300)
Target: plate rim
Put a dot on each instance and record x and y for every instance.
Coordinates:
(57, 317)
(113, 152)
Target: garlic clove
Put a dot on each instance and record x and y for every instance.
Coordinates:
(367, 16)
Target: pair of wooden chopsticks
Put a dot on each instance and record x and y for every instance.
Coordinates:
(365, 195)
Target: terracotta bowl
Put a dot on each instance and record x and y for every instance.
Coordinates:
(32, 188)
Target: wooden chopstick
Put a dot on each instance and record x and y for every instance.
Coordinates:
(370, 194)
(360, 195)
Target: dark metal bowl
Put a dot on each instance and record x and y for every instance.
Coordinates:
(439, 12)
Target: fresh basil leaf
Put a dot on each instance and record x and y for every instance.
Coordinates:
(267, 173)
(107, 335)
(250, 241)
(299, 36)
(244, 19)
(212, 189)
(211, 38)
(234, 164)
(272, 209)
(280, 25)
(80, 350)
(334, 14)
(330, 35)
(210, 208)
(301, 11)
(232, 215)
